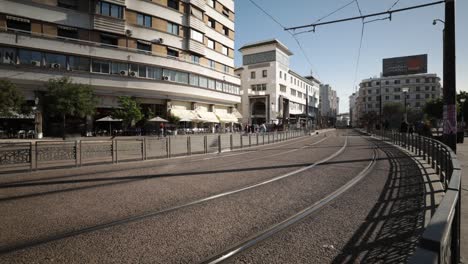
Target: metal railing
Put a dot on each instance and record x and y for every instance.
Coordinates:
(440, 241)
(38, 155)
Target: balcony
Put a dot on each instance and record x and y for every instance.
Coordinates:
(198, 3)
(109, 24)
(196, 24)
(196, 47)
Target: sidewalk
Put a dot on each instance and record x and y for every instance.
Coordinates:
(462, 153)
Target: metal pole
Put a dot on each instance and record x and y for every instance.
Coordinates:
(449, 82)
(219, 143)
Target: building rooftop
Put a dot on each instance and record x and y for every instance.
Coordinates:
(276, 42)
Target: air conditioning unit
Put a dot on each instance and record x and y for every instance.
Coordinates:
(165, 78)
(123, 73)
(161, 40)
(132, 73)
(128, 32)
(55, 66)
(35, 63)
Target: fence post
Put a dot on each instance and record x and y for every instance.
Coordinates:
(205, 143)
(188, 146)
(143, 149)
(250, 140)
(168, 152)
(433, 148)
(257, 139)
(230, 142)
(76, 153)
(438, 147)
(81, 153)
(113, 151)
(145, 153)
(263, 139)
(30, 156)
(219, 143)
(241, 143)
(116, 152)
(36, 154)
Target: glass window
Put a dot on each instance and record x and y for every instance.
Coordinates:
(30, 57)
(142, 71)
(211, 63)
(143, 46)
(211, 44)
(154, 73)
(226, 31)
(211, 22)
(144, 20)
(172, 53)
(172, 28)
(119, 68)
(225, 68)
(173, 4)
(211, 83)
(196, 12)
(194, 80)
(67, 32)
(252, 75)
(101, 66)
(108, 9)
(211, 3)
(219, 86)
(264, 73)
(20, 24)
(7, 55)
(195, 59)
(225, 50)
(55, 60)
(203, 82)
(70, 4)
(78, 63)
(195, 35)
(109, 40)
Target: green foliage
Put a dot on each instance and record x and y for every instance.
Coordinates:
(65, 98)
(434, 109)
(174, 119)
(462, 107)
(129, 111)
(11, 98)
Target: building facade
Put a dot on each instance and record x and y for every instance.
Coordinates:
(353, 113)
(272, 92)
(374, 93)
(329, 104)
(175, 57)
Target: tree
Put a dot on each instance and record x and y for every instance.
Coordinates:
(129, 111)
(11, 99)
(393, 113)
(462, 107)
(434, 109)
(64, 98)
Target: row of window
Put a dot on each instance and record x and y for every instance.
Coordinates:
(295, 81)
(214, 3)
(76, 63)
(110, 9)
(417, 80)
(416, 104)
(253, 74)
(112, 41)
(258, 87)
(398, 89)
(398, 97)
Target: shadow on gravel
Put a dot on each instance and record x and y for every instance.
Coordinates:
(393, 227)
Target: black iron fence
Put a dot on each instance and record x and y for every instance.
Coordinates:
(440, 242)
(55, 154)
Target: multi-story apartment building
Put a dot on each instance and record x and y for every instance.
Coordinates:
(421, 87)
(272, 92)
(329, 102)
(353, 113)
(175, 57)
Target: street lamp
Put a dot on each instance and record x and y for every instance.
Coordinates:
(405, 91)
(435, 21)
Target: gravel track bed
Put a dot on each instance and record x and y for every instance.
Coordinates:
(191, 234)
(379, 220)
(38, 217)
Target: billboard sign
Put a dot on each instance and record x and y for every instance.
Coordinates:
(405, 65)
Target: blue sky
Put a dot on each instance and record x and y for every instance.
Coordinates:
(333, 49)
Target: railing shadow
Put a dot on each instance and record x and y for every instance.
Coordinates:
(392, 229)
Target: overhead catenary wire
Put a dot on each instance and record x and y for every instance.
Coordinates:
(394, 4)
(358, 7)
(388, 12)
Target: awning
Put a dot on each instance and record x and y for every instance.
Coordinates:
(208, 117)
(236, 113)
(183, 114)
(226, 117)
(19, 19)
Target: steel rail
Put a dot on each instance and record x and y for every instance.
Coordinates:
(36, 242)
(272, 230)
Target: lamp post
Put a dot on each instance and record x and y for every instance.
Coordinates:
(405, 91)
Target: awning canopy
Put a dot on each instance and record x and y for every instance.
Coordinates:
(226, 117)
(182, 114)
(207, 117)
(157, 119)
(108, 119)
(236, 113)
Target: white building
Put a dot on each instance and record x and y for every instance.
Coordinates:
(272, 92)
(421, 88)
(175, 57)
(329, 101)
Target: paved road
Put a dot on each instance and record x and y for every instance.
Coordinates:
(189, 209)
